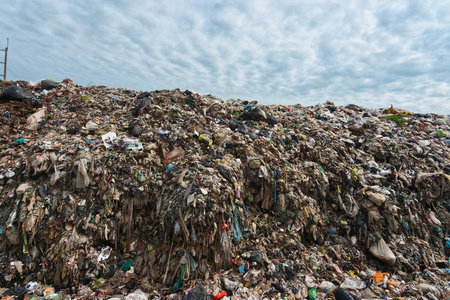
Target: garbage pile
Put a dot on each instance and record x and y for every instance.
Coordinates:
(119, 194)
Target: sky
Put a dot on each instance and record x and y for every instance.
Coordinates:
(369, 53)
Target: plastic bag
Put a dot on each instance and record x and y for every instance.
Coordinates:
(15, 93)
(197, 293)
(376, 198)
(254, 113)
(146, 102)
(83, 179)
(174, 155)
(15, 291)
(109, 139)
(34, 119)
(341, 294)
(440, 133)
(237, 234)
(353, 284)
(137, 295)
(382, 251)
(132, 144)
(48, 84)
(326, 286)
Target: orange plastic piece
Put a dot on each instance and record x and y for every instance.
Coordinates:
(379, 277)
(392, 282)
(219, 295)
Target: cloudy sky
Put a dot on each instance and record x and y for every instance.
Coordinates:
(371, 53)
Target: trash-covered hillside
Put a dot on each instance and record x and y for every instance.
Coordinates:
(119, 194)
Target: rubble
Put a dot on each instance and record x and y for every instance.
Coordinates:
(119, 194)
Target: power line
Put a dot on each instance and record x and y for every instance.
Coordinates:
(14, 73)
(20, 54)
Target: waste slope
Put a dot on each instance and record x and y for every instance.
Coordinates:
(170, 186)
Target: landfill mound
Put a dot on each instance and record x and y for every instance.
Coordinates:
(107, 191)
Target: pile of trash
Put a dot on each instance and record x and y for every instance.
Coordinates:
(169, 194)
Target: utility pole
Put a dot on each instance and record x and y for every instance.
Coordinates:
(5, 63)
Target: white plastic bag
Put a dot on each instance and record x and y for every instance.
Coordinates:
(376, 198)
(353, 284)
(83, 179)
(382, 251)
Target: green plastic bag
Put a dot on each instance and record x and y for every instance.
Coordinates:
(440, 133)
(127, 265)
(312, 293)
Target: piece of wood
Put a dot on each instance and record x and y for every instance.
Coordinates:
(168, 261)
(130, 220)
(183, 225)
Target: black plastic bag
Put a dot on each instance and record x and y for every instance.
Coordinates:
(48, 84)
(234, 124)
(15, 291)
(15, 93)
(197, 293)
(257, 257)
(341, 294)
(255, 114)
(146, 102)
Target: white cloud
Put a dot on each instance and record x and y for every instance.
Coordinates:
(370, 53)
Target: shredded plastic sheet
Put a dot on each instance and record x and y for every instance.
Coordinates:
(237, 234)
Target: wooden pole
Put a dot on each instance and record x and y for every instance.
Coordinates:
(6, 60)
